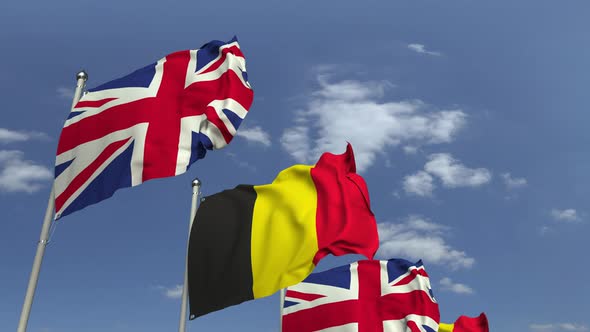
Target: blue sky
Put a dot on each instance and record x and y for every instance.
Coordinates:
(469, 121)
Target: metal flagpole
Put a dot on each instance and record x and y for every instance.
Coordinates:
(194, 207)
(26, 311)
(282, 303)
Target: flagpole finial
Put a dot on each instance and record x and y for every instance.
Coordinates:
(82, 75)
(196, 182)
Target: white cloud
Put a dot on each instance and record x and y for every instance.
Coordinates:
(420, 48)
(351, 111)
(20, 175)
(421, 224)
(449, 170)
(11, 136)
(350, 90)
(448, 285)
(240, 162)
(513, 183)
(66, 93)
(174, 292)
(418, 238)
(295, 141)
(408, 149)
(555, 327)
(565, 215)
(544, 230)
(255, 134)
(419, 184)
(453, 174)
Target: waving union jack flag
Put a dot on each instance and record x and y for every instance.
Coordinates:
(366, 296)
(152, 123)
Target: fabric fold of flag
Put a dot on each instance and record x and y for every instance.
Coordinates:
(365, 296)
(251, 241)
(152, 123)
(467, 324)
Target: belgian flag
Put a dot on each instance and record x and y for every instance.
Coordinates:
(251, 241)
(467, 324)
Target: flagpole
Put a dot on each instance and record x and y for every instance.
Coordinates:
(81, 78)
(196, 192)
(282, 304)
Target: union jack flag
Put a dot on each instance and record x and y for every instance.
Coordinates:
(152, 123)
(365, 296)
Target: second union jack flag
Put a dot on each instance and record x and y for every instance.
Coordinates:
(152, 123)
(365, 296)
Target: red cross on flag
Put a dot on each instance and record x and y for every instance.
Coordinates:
(365, 296)
(152, 123)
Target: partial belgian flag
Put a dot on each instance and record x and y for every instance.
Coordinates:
(251, 241)
(467, 324)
